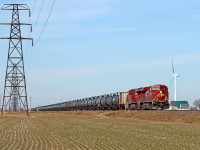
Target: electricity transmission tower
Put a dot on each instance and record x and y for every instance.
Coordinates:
(15, 93)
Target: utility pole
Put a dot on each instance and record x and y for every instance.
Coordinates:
(15, 93)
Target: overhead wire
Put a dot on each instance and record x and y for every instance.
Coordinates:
(29, 46)
(45, 22)
(30, 50)
(38, 14)
(33, 6)
(29, 65)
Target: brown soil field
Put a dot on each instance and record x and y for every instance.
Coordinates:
(159, 116)
(98, 130)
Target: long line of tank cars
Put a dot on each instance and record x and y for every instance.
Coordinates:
(151, 97)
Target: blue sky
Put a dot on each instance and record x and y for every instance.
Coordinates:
(93, 47)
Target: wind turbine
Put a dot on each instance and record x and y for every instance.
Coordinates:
(174, 75)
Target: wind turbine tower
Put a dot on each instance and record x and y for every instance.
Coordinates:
(174, 75)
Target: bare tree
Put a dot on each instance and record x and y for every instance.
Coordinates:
(197, 103)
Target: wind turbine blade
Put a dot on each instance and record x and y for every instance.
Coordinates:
(171, 83)
(172, 66)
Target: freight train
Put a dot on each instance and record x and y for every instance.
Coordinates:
(151, 97)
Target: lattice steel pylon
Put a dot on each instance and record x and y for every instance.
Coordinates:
(15, 92)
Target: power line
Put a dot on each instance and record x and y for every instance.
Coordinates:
(38, 14)
(45, 22)
(29, 65)
(27, 50)
(33, 6)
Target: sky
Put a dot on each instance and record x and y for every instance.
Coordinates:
(95, 47)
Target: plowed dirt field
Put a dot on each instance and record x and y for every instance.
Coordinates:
(101, 131)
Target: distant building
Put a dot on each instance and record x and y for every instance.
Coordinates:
(180, 105)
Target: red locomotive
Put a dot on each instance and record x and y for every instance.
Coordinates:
(151, 97)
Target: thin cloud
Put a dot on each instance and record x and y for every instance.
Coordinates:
(67, 48)
(73, 15)
(114, 68)
(56, 33)
(112, 30)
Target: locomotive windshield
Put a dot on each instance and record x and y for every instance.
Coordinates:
(163, 88)
(155, 88)
(159, 88)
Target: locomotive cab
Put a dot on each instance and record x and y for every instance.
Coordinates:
(159, 93)
(159, 96)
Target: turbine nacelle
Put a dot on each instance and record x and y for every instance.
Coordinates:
(175, 75)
